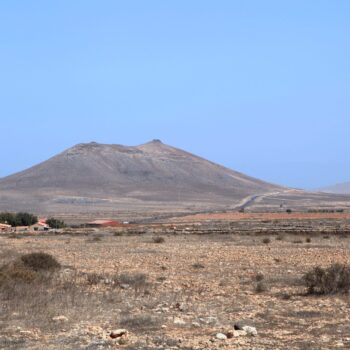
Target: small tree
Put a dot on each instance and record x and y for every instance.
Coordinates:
(55, 223)
(19, 219)
(8, 218)
(26, 219)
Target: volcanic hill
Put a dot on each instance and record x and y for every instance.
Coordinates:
(103, 178)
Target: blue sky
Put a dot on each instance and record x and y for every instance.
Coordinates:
(258, 86)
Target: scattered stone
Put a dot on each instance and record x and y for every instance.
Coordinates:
(212, 321)
(179, 321)
(196, 324)
(98, 343)
(60, 319)
(239, 333)
(124, 286)
(181, 307)
(26, 333)
(250, 331)
(221, 336)
(118, 333)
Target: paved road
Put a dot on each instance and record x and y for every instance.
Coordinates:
(248, 201)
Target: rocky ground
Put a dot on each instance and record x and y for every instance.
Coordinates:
(188, 291)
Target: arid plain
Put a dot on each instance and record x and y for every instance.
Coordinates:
(189, 283)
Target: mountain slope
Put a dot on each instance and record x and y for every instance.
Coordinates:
(96, 176)
(342, 188)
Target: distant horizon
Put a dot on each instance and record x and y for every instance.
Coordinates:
(259, 87)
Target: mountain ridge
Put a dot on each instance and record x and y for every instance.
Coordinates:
(339, 188)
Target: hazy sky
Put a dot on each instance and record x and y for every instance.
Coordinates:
(262, 87)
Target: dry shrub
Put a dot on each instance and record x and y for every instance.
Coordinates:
(138, 281)
(93, 278)
(266, 240)
(260, 287)
(40, 261)
(132, 279)
(158, 239)
(94, 239)
(143, 322)
(16, 273)
(259, 277)
(29, 268)
(198, 266)
(331, 280)
(32, 287)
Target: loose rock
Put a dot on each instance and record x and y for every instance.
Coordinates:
(179, 321)
(60, 319)
(250, 330)
(221, 336)
(118, 333)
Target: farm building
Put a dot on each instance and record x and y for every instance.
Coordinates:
(22, 228)
(103, 223)
(40, 226)
(4, 227)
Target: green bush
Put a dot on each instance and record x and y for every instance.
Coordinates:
(8, 218)
(331, 280)
(26, 219)
(18, 219)
(55, 223)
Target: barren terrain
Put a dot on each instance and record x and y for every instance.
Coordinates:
(179, 292)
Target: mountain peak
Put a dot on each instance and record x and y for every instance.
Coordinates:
(156, 141)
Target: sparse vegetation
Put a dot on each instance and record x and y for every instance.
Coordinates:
(331, 280)
(128, 283)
